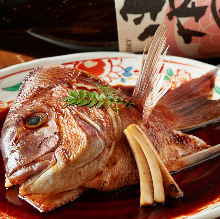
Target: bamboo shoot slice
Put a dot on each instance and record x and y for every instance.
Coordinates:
(169, 183)
(146, 184)
(159, 195)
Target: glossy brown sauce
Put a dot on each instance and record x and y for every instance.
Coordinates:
(200, 183)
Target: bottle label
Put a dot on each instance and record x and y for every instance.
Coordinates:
(194, 25)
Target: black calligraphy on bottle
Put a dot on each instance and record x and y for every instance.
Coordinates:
(215, 13)
(141, 7)
(148, 31)
(184, 11)
(187, 34)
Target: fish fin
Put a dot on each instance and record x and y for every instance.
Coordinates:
(195, 158)
(191, 103)
(150, 84)
(48, 202)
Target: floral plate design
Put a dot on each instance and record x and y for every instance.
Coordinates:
(119, 69)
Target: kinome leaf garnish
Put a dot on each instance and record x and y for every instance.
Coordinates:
(108, 97)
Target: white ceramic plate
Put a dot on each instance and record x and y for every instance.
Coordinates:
(117, 69)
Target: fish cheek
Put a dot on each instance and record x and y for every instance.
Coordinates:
(21, 146)
(71, 171)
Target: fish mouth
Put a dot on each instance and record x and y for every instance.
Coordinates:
(36, 167)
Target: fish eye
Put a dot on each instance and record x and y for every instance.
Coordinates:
(36, 120)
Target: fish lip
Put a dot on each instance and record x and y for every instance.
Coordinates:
(36, 167)
(12, 164)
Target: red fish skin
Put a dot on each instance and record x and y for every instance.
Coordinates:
(48, 101)
(21, 147)
(91, 149)
(14, 130)
(121, 170)
(169, 143)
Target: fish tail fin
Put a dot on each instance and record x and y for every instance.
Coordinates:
(150, 84)
(191, 102)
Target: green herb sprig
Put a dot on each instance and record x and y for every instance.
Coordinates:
(108, 97)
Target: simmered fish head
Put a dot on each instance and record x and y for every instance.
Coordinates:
(50, 148)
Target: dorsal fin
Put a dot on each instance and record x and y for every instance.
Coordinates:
(148, 89)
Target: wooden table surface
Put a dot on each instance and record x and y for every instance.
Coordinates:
(18, 47)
